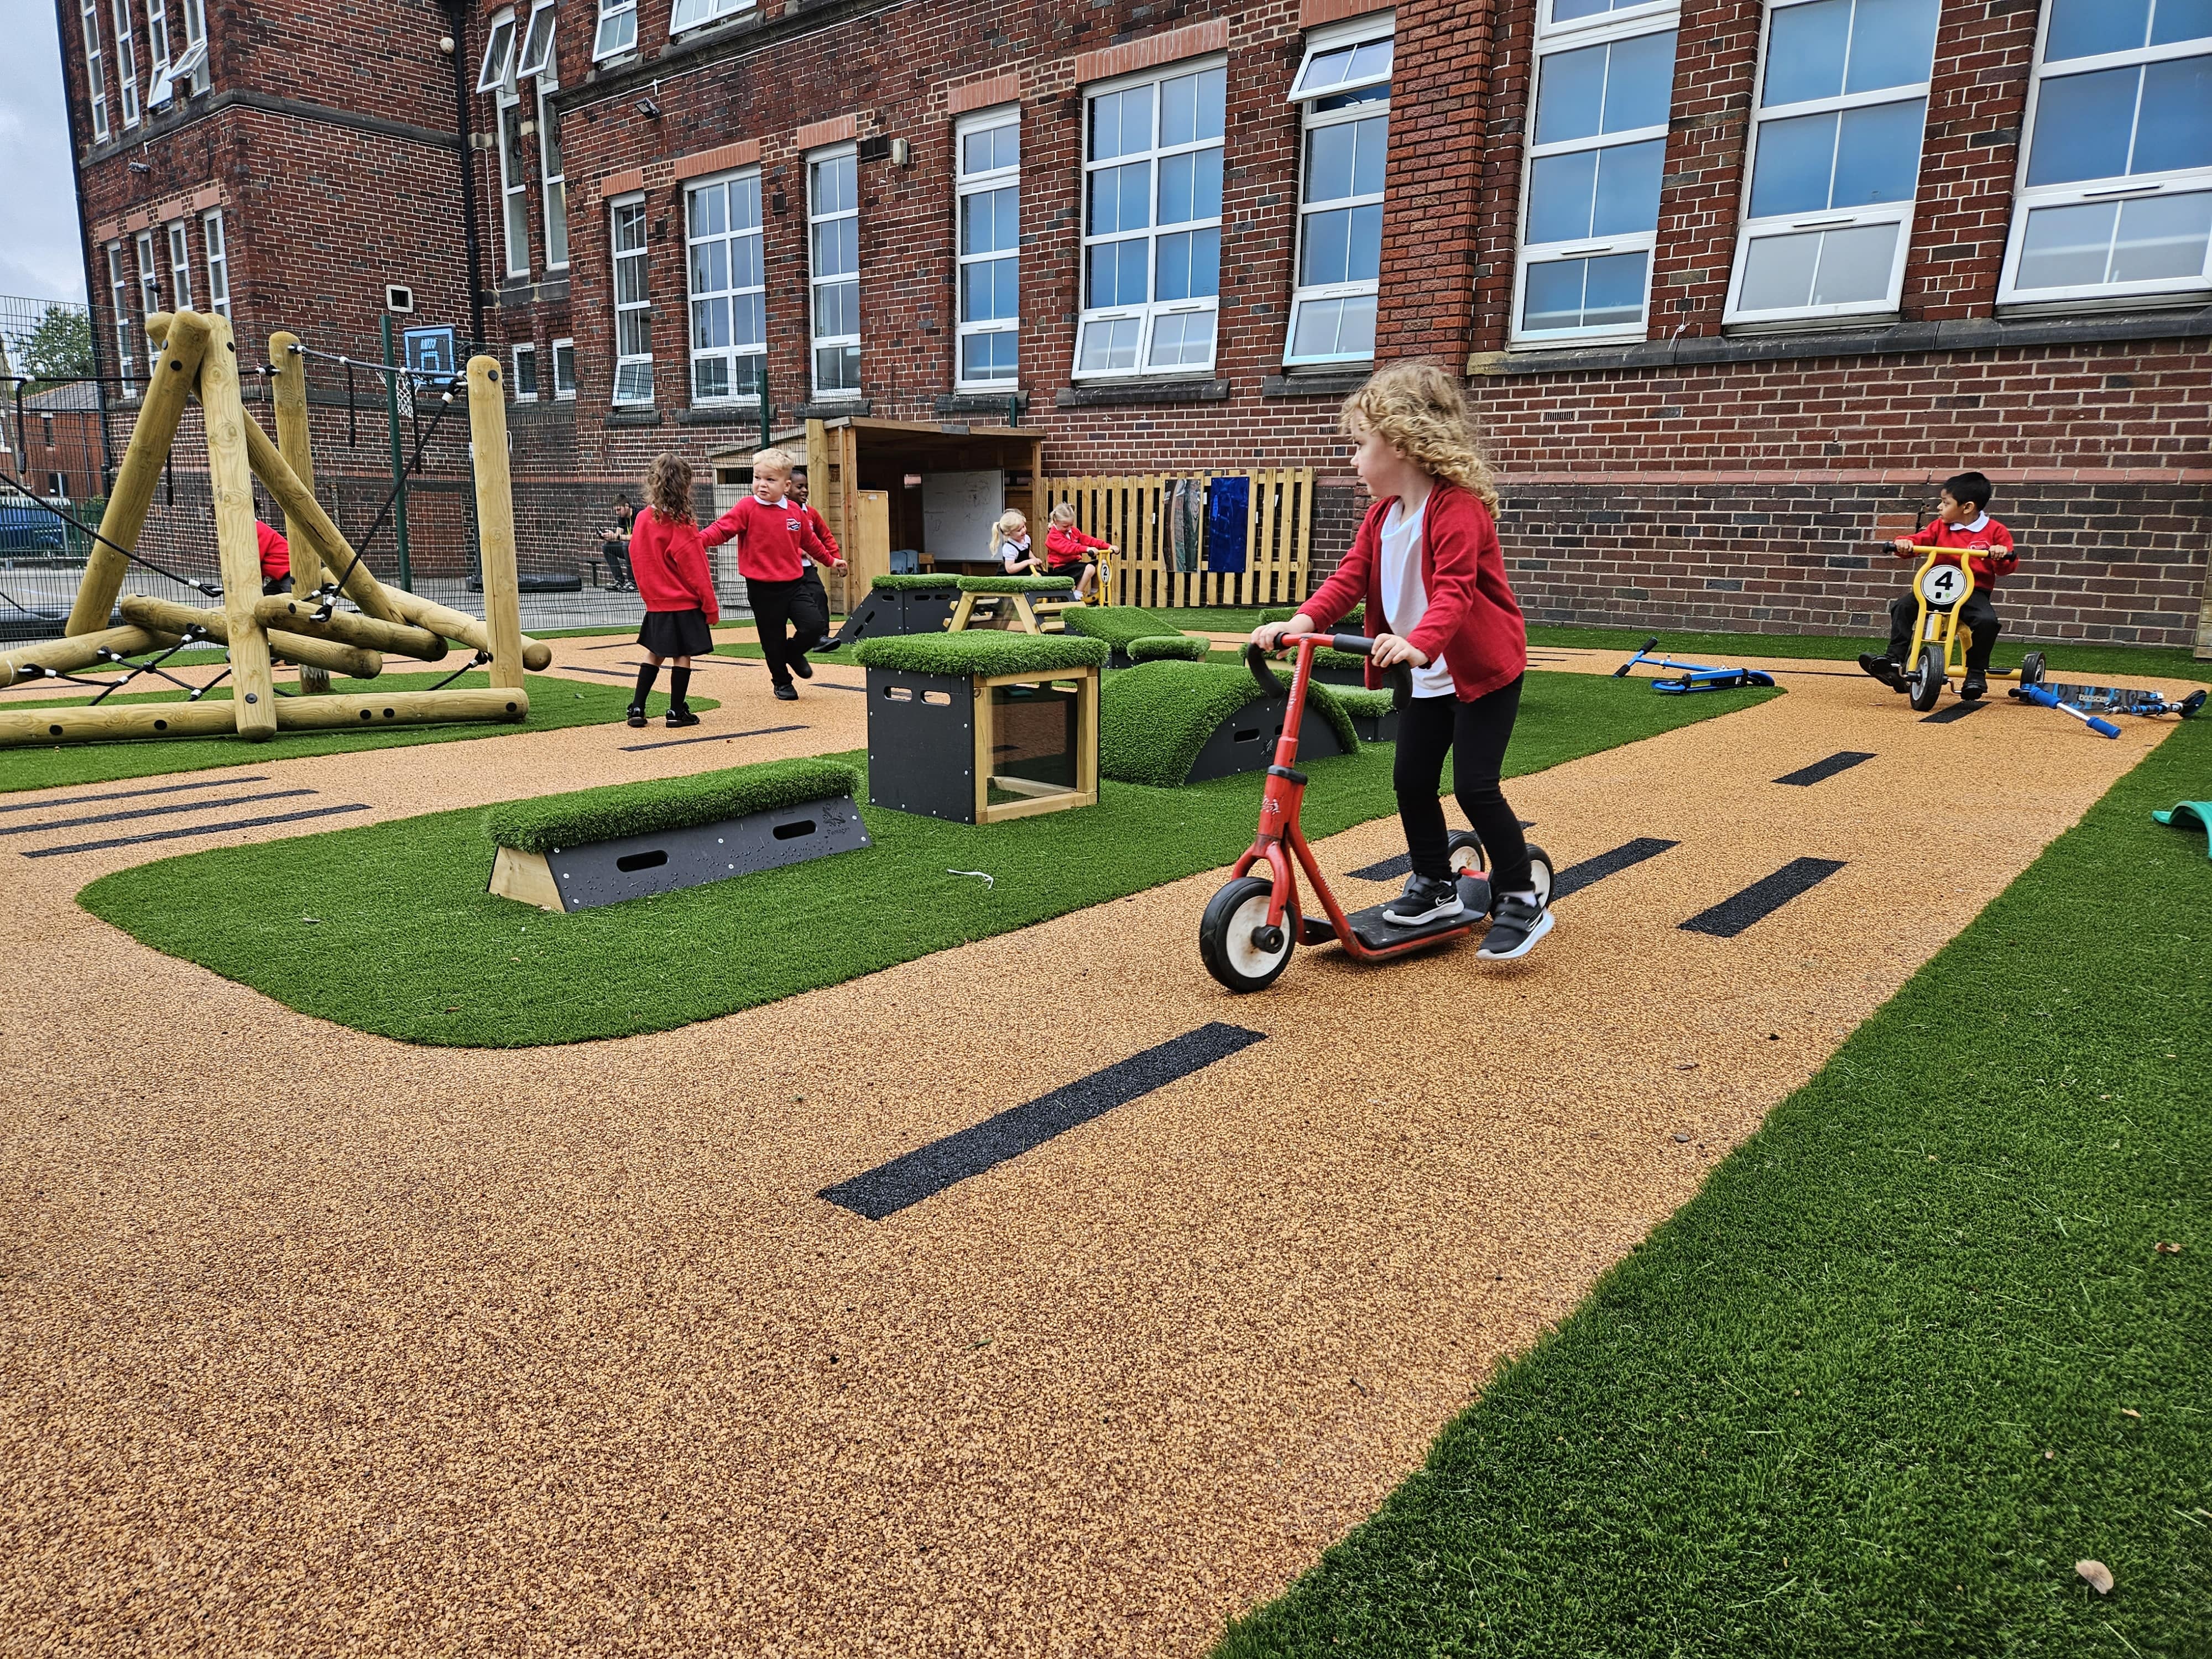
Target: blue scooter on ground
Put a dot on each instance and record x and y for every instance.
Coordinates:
(1694, 676)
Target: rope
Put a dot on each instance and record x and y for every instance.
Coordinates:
(478, 661)
(17, 484)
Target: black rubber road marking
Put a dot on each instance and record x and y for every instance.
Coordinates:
(1841, 762)
(924, 1173)
(219, 781)
(196, 829)
(148, 811)
(719, 737)
(1957, 711)
(1763, 898)
(585, 668)
(1576, 877)
(1390, 869)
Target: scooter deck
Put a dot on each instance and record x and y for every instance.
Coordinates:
(1377, 934)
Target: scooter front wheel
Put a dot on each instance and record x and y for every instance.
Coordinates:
(1234, 939)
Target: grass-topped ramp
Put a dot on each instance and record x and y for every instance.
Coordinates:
(642, 809)
(1155, 719)
(1017, 584)
(980, 652)
(911, 583)
(453, 964)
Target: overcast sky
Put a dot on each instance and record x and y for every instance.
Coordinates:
(38, 255)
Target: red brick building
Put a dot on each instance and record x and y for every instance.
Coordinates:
(1734, 284)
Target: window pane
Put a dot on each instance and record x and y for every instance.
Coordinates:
(834, 190)
(634, 383)
(1603, 292)
(634, 334)
(1182, 340)
(2081, 127)
(990, 291)
(710, 324)
(1334, 328)
(1374, 147)
(556, 224)
(710, 377)
(987, 221)
(1373, 57)
(1570, 94)
(1326, 256)
(745, 203)
(630, 227)
(837, 309)
(1117, 274)
(1628, 188)
(1365, 261)
(1805, 49)
(1111, 344)
(2175, 20)
(710, 267)
(1640, 83)
(1793, 165)
(1326, 69)
(1778, 272)
(990, 150)
(1892, 44)
(2175, 127)
(836, 247)
(1878, 155)
(1561, 189)
(1121, 199)
(709, 211)
(1330, 153)
(564, 368)
(2066, 246)
(1566, 11)
(2162, 237)
(1189, 265)
(630, 281)
(747, 325)
(1190, 108)
(989, 356)
(1190, 187)
(1120, 123)
(745, 262)
(2084, 28)
(1855, 265)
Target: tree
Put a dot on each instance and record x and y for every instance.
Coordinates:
(59, 347)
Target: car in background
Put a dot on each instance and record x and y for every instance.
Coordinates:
(27, 529)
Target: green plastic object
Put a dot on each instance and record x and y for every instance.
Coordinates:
(1017, 584)
(663, 804)
(1167, 648)
(981, 651)
(908, 584)
(2188, 814)
(1154, 718)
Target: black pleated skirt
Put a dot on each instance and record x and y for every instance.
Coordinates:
(676, 634)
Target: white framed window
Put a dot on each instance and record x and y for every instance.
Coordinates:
(190, 70)
(525, 383)
(150, 289)
(1343, 91)
(536, 56)
(180, 263)
(157, 53)
(617, 30)
(833, 255)
(118, 293)
(552, 172)
(514, 184)
(988, 201)
(1835, 159)
(696, 14)
(2115, 193)
(497, 69)
(564, 369)
(1589, 192)
(95, 75)
(633, 303)
(126, 63)
(1151, 222)
(728, 301)
(218, 261)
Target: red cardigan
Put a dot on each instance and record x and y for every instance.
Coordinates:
(275, 551)
(670, 566)
(770, 539)
(1472, 618)
(1068, 546)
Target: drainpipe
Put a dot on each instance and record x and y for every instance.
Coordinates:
(457, 13)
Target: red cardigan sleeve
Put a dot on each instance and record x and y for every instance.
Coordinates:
(731, 525)
(814, 545)
(822, 533)
(1348, 585)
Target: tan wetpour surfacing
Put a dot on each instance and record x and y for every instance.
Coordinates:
(317, 1343)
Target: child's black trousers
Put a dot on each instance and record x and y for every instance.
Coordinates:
(1474, 733)
(1977, 615)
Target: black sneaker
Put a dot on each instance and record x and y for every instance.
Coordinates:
(1518, 924)
(636, 715)
(1883, 670)
(800, 666)
(1426, 898)
(680, 717)
(1977, 685)
(786, 691)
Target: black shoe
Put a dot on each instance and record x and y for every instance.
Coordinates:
(1977, 685)
(1426, 898)
(800, 666)
(786, 691)
(636, 715)
(1883, 670)
(1519, 925)
(680, 717)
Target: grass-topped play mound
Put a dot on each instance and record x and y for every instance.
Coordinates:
(1935, 1333)
(1120, 624)
(555, 703)
(1154, 718)
(455, 965)
(1017, 584)
(660, 805)
(1168, 647)
(911, 583)
(980, 652)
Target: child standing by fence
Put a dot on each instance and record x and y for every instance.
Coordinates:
(669, 565)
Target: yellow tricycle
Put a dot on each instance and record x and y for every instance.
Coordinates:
(1942, 591)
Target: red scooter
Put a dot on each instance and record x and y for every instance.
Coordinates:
(1251, 925)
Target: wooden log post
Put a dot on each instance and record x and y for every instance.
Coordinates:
(66, 656)
(303, 617)
(30, 727)
(230, 482)
(288, 379)
(329, 655)
(174, 376)
(461, 627)
(496, 520)
(355, 712)
(302, 507)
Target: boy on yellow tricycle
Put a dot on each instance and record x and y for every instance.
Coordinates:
(1947, 624)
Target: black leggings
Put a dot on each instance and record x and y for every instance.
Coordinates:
(1978, 616)
(1475, 733)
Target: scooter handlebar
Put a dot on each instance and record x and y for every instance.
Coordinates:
(1399, 675)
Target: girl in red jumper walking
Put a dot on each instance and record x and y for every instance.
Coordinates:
(1426, 560)
(669, 568)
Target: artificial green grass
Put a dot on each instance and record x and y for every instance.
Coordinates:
(1167, 648)
(981, 651)
(659, 804)
(1118, 624)
(1017, 584)
(298, 918)
(1360, 701)
(1154, 718)
(555, 703)
(910, 583)
(1911, 1353)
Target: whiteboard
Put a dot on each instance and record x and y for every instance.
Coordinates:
(957, 512)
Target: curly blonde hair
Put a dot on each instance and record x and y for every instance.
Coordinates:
(668, 488)
(1422, 413)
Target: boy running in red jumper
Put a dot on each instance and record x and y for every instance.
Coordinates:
(276, 558)
(773, 537)
(1962, 522)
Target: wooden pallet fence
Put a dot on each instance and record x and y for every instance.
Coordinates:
(1130, 512)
